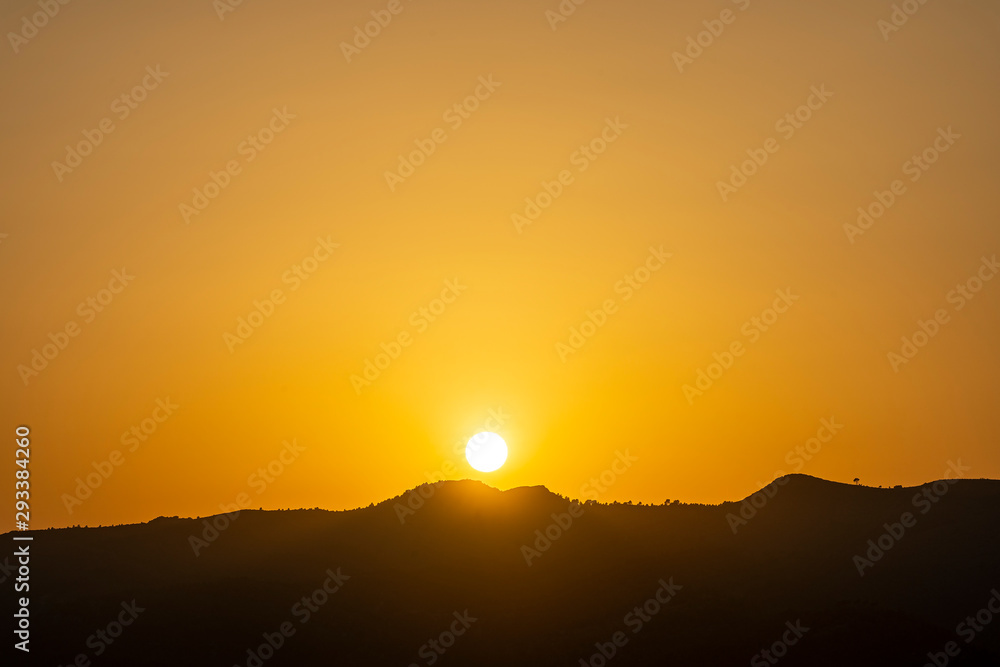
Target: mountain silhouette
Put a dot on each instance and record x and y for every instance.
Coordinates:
(459, 573)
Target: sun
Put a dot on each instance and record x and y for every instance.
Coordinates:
(486, 451)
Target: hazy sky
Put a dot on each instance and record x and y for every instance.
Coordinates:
(515, 175)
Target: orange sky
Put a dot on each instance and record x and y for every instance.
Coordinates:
(256, 162)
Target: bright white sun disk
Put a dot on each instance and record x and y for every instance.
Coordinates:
(486, 451)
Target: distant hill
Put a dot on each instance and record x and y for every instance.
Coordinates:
(738, 578)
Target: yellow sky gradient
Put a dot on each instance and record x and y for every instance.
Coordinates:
(336, 127)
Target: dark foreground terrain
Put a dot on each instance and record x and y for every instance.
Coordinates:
(451, 584)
